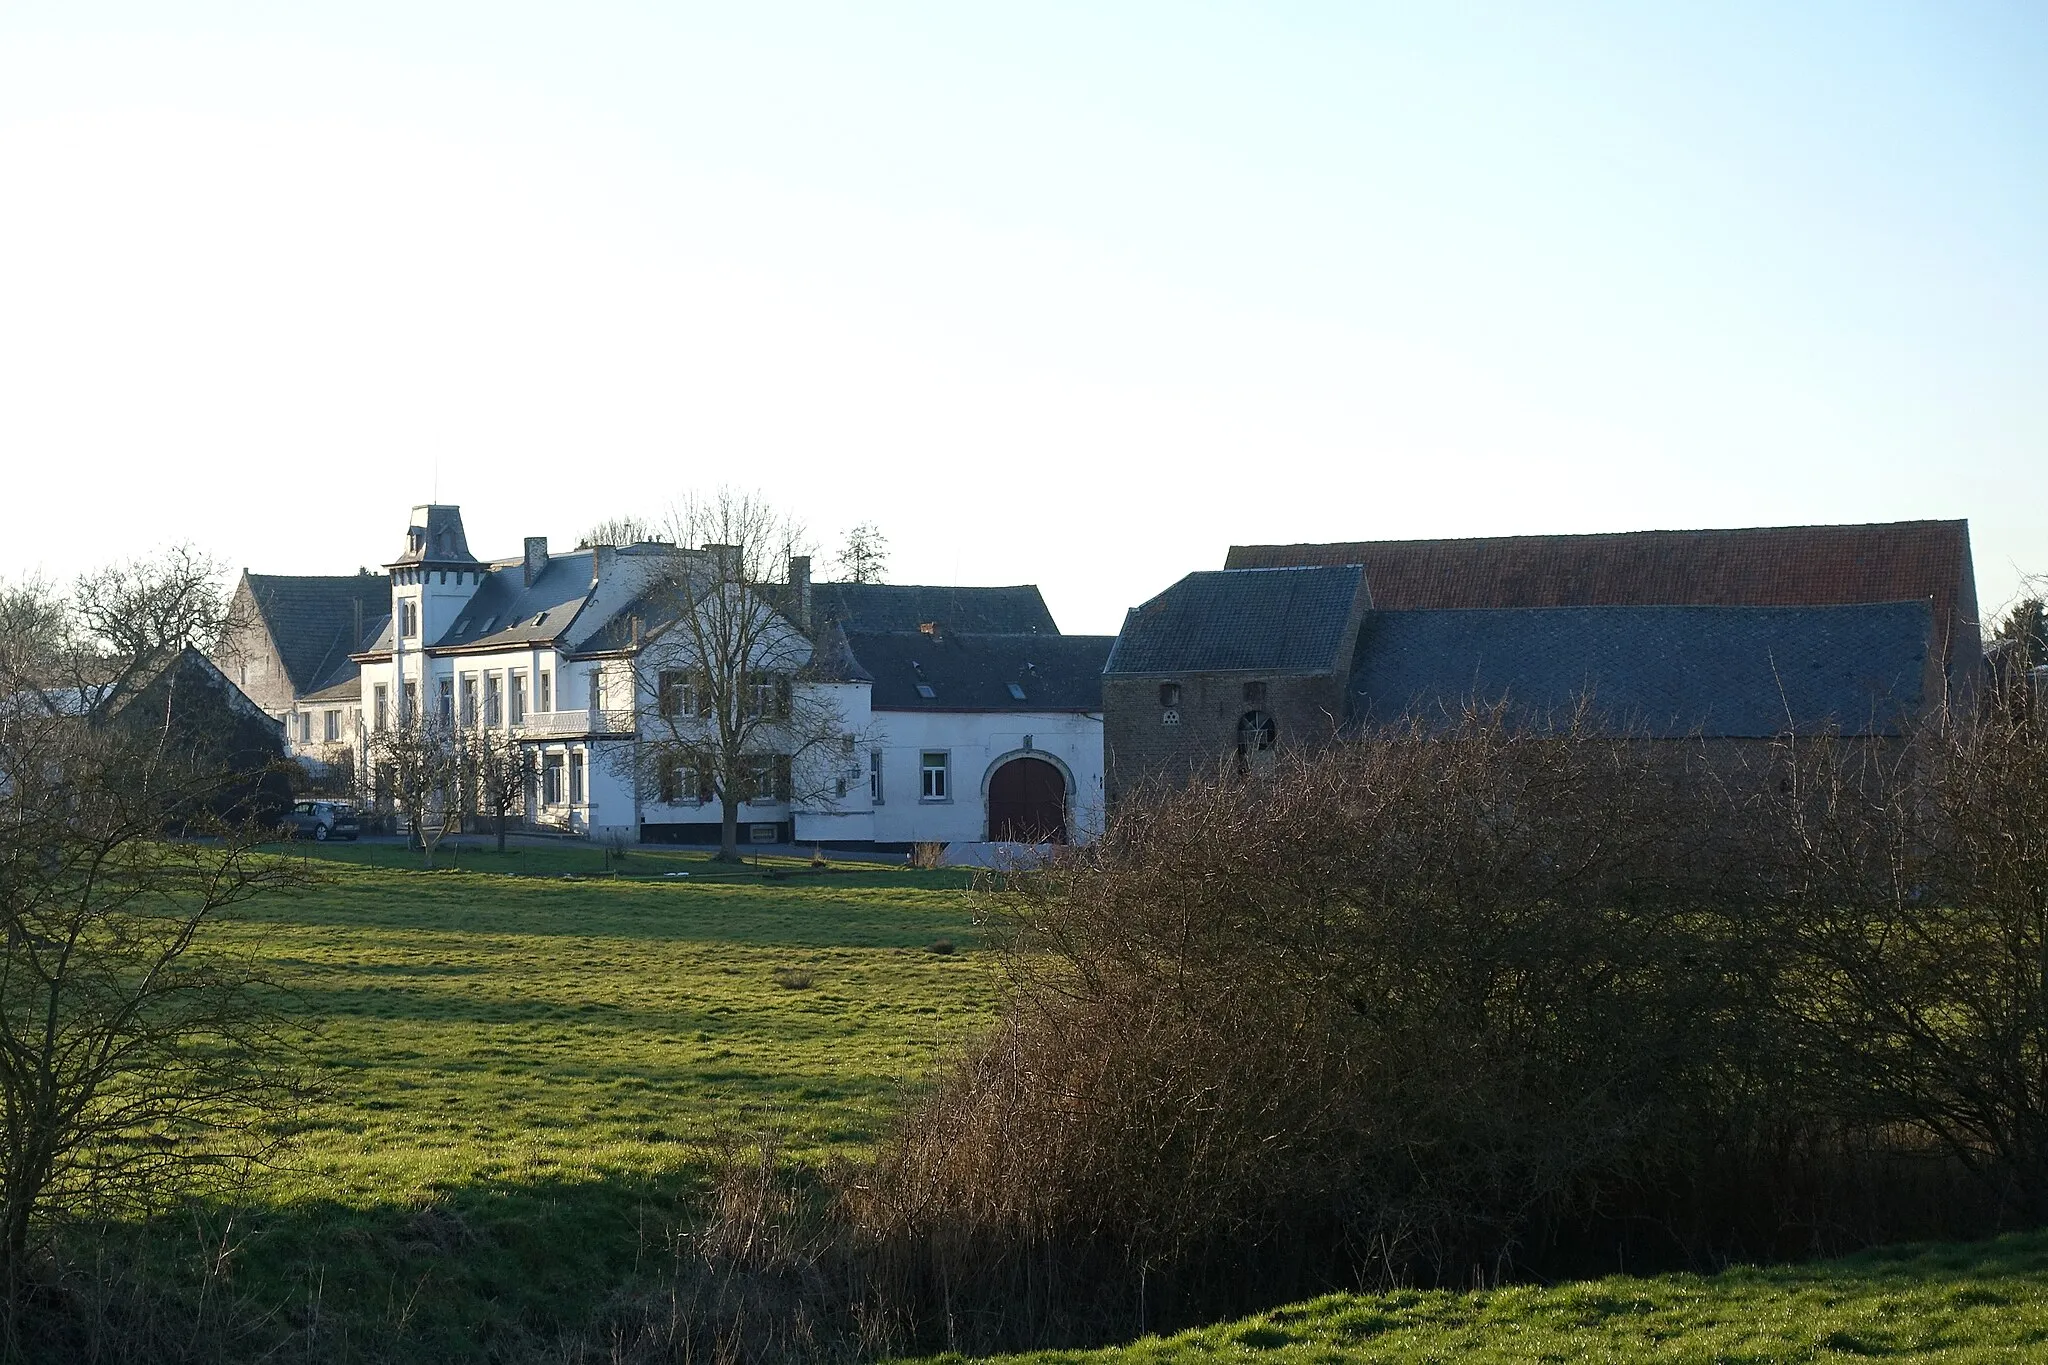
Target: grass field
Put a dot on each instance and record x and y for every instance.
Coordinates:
(1971, 1304)
(520, 1074)
(523, 1062)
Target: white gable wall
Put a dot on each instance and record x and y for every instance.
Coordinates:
(976, 743)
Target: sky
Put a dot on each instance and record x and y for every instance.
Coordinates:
(1077, 295)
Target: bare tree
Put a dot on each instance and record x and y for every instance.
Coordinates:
(134, 1048)
(864, 557)
(725, 684)
(422, 764)
(495, 771)
(626, 530)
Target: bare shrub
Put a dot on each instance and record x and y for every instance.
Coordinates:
(1445, 1004)
(927, 855)
(795, 978)
(1918, 912)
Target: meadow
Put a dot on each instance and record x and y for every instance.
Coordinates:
(523, 1066)
(1960, 1305)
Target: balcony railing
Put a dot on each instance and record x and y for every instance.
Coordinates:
(567, 724)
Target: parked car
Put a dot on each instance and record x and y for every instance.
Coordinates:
(323, 820)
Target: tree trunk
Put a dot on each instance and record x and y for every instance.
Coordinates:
(729, 831)
(501, 831)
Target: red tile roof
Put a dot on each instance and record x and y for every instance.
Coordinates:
(1766, 566)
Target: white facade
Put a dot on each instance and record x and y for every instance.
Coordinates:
(571, 695)
(964, 749)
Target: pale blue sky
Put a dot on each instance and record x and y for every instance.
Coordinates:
(1068, 294)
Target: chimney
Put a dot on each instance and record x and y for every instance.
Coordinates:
(800, 591)
(536, 557)
(596, 564)
(726, 557)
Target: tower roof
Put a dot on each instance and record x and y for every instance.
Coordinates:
(434, 536)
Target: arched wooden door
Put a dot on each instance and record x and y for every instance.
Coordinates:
(1027, 803)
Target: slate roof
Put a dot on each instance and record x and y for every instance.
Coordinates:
(506, 611)
(435, 536)
(1724, 672)
(903, 606)
(1767, 566)
(1289, 620)
(312, 619)
(974, 671)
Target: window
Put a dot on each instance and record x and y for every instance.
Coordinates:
(1169, 694)
(1016, 691)
(305, 727)
(875, 776)
(678, 784)
(933, 765)
(767, 695)
(925, 690)
(1254, 694)
(447, 701)
(576, 779)
(676, 693)
(469, 699)
(408, 617)
(1255, 733)
(551, 780)
(381, 700)
(409, 703)
(1169, 716)
(544, 693)
(518, 698)
(493, 698)
(331, 726)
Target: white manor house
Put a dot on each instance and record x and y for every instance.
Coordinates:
(968, 717)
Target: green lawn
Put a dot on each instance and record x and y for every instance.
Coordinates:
(519, 1075)
(1985, 1303)
(524, 1059)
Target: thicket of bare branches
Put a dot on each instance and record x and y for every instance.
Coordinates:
(495, 770)
(135, 1053)
(1488, 1002)
(419, 761)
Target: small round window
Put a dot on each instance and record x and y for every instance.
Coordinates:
(1169, 717)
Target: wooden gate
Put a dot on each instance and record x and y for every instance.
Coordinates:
(1027, 803)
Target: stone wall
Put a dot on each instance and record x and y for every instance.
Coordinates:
(1146, 738)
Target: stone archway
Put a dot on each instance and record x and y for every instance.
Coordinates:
(1027, 801)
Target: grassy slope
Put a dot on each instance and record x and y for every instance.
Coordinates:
(1987, 1302)
(521, 1074)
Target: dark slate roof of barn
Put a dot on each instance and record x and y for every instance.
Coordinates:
(312, 618)
(1270, 620)
(1016, 610)
(1722, 672)
(973, 671)
(1760, 566)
